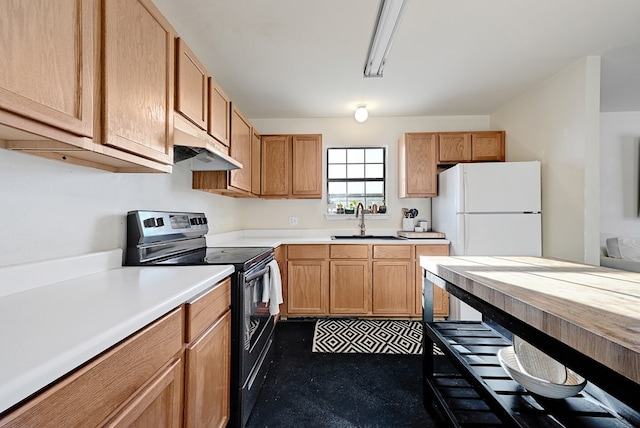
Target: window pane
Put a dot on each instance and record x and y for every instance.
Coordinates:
(375, 188)
(337, 156)
(355, 156)
(375, 155)
(355, 171)
(337, 171)
(356, 188)
(337, 188)
(375, 171)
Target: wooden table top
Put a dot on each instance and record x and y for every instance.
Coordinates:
(593, 309)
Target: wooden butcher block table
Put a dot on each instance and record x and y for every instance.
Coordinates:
(587, 317)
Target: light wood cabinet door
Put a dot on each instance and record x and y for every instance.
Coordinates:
(488, 146)
(276, 165)
(417, 157)
(159, 404)
(240, 150)
(138, 79)
(454, 147)
(219, 124)
(306, 168)
(393, 287)
(392, 251)
(349, 287)
(192, 82)
(208, 376)
(308, 287)
(48, 62)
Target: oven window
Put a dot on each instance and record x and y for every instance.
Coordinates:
(256, 313)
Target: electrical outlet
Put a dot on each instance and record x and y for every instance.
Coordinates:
(293, 221)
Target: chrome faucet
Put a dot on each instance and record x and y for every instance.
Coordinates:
(359, 208)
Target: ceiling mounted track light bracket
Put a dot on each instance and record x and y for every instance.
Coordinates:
(386, 28)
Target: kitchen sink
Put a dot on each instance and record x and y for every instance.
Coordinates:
(366, 237)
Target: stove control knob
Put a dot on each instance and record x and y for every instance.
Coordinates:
(150, 222)
(193, 221)
(159, 222)
(204, 220)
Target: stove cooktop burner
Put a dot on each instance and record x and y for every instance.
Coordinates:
(240, 257)
(231, 255)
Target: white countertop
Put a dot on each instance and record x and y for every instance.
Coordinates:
(275, 238)
(48, 330)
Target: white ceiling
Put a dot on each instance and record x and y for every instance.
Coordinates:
(304, 58)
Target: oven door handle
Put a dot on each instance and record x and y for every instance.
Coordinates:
(257, 274)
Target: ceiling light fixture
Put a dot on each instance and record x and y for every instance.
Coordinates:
(361, 113)
(386, 28)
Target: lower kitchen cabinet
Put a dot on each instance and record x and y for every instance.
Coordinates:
(349, 287)
(158, 405)
(308, 286)
(393, 290)
(208, 359)
(349, 280)
(138, 382)
(359, 280)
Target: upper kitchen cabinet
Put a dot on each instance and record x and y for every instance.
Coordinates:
(456, 147)
(87, 82)
(306, 169)
(238, 182)
(276, 162)
(192, 83)
(417, 169)
(138, 79)
(219, 126)
(292, 166)
(48, 68)
(240, 150)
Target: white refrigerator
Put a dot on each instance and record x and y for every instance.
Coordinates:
(488, 209)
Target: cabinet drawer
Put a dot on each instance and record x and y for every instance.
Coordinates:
(90, 394)
(432, 250)
(349, 252)
(392, 251)
(307, 251)
(203, 311)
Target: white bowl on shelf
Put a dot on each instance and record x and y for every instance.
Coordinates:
(573, 384)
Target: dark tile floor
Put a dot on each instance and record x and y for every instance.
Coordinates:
(305, 389)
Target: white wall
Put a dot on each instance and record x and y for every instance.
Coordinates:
(270, 214)
(51, 209)
(619, 175)
(557, 123)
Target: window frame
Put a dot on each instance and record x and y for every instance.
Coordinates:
(347, 180)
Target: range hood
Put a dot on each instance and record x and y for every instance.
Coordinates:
(204, 159)
(193, 146)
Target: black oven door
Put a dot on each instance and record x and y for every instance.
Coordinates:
(257, 323)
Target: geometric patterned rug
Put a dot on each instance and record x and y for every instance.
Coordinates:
(368, 337)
